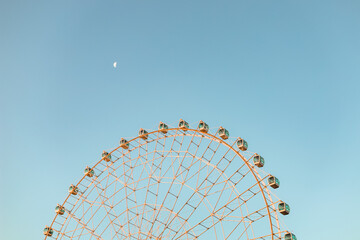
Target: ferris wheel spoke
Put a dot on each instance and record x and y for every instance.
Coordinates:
(233, 231)
(180, 143)
(135, 202)
(207, 161)
(73, 211)
(197, 205)
(129, 221)
(239, 198)
(149, 185)
(243, 233)
(109, 213)
(111, 221)
(126, 201)
(219, 219)
(95, 228)
(84, 227)
(141, 215)
(224, 206)
(100, 195)
(222, 218)
(140, 159)
(225, 184)
(176, 175)
(213, 184)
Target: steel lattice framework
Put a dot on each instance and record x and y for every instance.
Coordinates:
(185, 184)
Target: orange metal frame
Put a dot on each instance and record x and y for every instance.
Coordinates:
(266, 194)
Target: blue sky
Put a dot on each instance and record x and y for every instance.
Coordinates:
(282, 74)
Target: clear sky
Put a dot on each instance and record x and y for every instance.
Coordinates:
(282, 74)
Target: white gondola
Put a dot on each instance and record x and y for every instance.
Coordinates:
(284, 208)
(143, 134)
(290, 236)
(183, 124)
(124, 143)
(203, 127)
(106, 156)
(242, 144)
(60, 209)
(89, 171)
(73, 189)
(259, 161)
(223, 133)
(163, 127)
(274, 182)
(48, 231)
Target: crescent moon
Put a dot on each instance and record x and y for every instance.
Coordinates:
(115, 63)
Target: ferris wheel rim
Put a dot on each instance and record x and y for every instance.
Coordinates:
(210, 136)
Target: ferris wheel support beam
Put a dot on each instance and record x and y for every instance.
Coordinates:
(225, 206)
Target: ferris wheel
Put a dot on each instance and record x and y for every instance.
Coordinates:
(174, 183)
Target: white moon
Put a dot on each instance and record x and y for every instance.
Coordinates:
(115, 63)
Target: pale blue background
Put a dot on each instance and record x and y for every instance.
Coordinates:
(282, 74)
